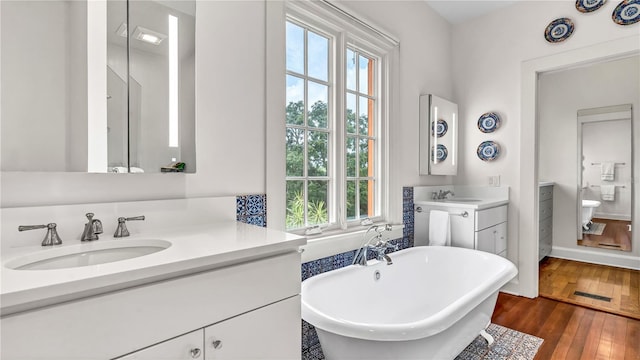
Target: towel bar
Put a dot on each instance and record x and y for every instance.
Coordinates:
(463, 214)
(620, 186)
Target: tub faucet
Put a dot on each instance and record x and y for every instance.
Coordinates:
(91, 229)
(379, 247)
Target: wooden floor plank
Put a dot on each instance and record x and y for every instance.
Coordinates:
(621, 285)
(570, 332)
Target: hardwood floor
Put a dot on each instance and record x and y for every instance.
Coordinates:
(616, 235)
(570, 331)
(560, 279)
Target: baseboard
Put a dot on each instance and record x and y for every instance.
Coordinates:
(597, 257)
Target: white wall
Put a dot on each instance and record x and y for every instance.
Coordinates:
(488, 53)
(45, 109)
(560, 95)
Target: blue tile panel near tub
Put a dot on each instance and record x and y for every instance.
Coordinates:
(252, 209)
(311, 349)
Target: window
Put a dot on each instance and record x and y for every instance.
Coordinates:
(333, 127)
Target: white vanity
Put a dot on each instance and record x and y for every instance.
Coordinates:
(478, 215)
(222, 289)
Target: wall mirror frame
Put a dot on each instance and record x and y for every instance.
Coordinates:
(605, 175)
(438, 136)
(98, 86)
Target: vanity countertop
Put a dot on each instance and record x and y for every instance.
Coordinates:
(465, 203)
(193, 249)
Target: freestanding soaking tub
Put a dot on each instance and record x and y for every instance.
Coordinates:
(429, 304)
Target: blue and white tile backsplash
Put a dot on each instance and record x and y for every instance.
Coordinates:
(252, 209)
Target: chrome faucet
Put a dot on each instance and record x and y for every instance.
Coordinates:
(121, 230)
(50, 239)
(91, 229)
(379, 247)
(441, 195)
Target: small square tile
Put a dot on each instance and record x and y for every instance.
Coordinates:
(255, 204)
(241, 206)
(255, 220)
(326, 264)
(314, 268)
(407, 192)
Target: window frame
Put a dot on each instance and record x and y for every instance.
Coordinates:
(343, 35)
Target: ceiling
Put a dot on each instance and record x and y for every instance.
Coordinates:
(459, 11)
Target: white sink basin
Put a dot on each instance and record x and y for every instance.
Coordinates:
(93, 253)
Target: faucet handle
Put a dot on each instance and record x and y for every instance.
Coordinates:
(121, 230)
(51, 238)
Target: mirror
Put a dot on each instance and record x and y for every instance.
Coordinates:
(605, 163)
(438, 136)
(106, 99)
(586, 148)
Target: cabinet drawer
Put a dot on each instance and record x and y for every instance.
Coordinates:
(546, 209)
(546, 193)
(546, 228)
(493, 239)
(490, 217)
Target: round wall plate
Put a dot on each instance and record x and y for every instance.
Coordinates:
(489, 122)
(488, 150)
(627, 12)
(559, 30)
(587, 6)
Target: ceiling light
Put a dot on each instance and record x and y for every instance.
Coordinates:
(148, 36)
(142, 34)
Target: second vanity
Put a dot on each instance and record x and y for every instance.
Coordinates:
(478, 215)
(222, 289)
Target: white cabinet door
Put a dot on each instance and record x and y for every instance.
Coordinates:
(268, 333)
(185, 347)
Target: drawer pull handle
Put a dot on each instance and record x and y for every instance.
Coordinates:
(217, 344)
(195, 353)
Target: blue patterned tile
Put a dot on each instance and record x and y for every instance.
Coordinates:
(314, 268)
(315, 353)
(304, 271)
(407, 192)
(255, 204)
(326, 264)
(241, 206)
(255, 220)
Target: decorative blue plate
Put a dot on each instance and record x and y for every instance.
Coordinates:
(559, 30)
(441, 128)
(627, 12)
(441, 153)
(587, 6)
(489, 122)
(488, 150)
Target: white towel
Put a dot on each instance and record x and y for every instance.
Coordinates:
(439, 228)
(608, 192)
(607, 171)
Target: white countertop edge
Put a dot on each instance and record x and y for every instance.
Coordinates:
(545, 183)
(54, 286)
(482, 204)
